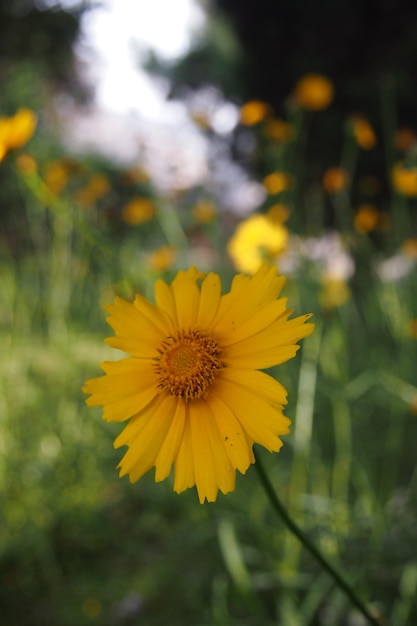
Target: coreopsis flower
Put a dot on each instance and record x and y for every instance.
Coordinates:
(404, 179)
(97, 187)
(256, 240)
(161, 259)
(278, 213)
(204, 212)
(254, 112)
(138, 211)
(363, 132)
(335, 179)
(277, 182)
(192, 388)
(314, 92)
(16, 130)
(366, 218)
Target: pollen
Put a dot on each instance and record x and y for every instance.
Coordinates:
(188, 363)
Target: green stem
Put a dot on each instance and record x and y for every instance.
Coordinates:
(279, 508)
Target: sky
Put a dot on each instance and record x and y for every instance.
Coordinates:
(119, 34)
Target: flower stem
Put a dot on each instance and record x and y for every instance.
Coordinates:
(280, 509)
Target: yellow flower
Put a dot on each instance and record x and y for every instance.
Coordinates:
(16, 131)
(96, 188)
(162, 258)
(278, 130)
(256, 239)
(56, 175)
(409, 248)
(204, 212)
(254, 112)
(363, 132)
(404, 179)
(26, 164)
(366, 218)
(278, 213)
(191, 389)
(335, 179)
(276, 182)
(314, 92)
(138, 211)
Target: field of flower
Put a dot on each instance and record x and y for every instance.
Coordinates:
(78, 544)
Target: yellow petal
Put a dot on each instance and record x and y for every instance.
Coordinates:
(275, 345)
(186, 296)
(184, 466)
(169, 449)
(261, 420)
(125, 391)
(247, 297)
(138, 334)
(230, 332)
(212, 468)
(209, 300)
(235, 442)
(144, 448)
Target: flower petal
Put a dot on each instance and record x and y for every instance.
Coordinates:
(212, 468)
(237, 446)
(248, 395)
(169, 449)
(145, 446)
(272, 346)
(248, 295)
(184, 466)
(136, 334)
(209, 300)
(125, 390)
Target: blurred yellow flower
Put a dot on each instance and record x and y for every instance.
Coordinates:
(161, 259)
(204, 212)
(314, 92)
(254, 112)
(26, 164)
(138, 211)
(191, 389)
(277, 182)
(366, 218)
(56, 175)
(256, 239)
(409, 248)
(15, 131)
(334, 293)
(278, 213)
(404, 179)
(405, 138)
(96, 188)
(335, 179)
(278, 130)
(363, 132)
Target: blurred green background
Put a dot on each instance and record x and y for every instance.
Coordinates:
(78, 545)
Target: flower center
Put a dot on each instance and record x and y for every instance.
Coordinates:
(188, 364)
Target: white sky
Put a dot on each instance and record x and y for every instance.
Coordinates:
(120, 33)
